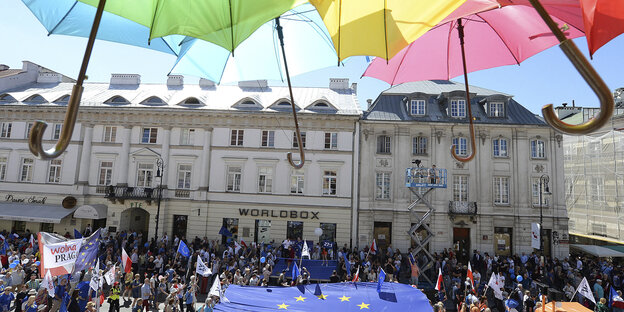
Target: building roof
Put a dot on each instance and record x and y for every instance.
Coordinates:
(9, 72)
(228, 98)
(391, 105)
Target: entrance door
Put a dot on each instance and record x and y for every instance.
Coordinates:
(382, 232)
(461, 243)
(179, 225)
(135, 219)
(546, 241)
(262, 232)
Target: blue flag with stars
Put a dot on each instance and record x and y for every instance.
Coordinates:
(184, 250)
(332, 297)
(380, 281)
(295, 271)
(88, 252)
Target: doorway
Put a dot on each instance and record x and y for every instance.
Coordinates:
(546, 241)
(382, 232)
(135, 219)
(179, 225)
(262, 231)
(461, 244)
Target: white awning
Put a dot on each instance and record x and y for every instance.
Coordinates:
(33, 212)
(598, 251)
(94, 211)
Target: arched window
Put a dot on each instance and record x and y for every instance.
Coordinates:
(117, 99)
(35, 99)
(153, 100)
(190, 101)
(63, 99)
(7, 98)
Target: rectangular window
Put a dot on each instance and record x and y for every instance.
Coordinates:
(496, 109)
(54, 173)
(46, 227)
(294, 230)
(149, 135)
(297, 182)
(382, 189)
(110, 134)
(268, 138)
(538, 149)
(187, 136)
(329, 232)
(499, 147)
(537, 192)
(265, 180)
(461, 146)
(329, 183)
(56, 134)
(106, 173)
(3, 167)
(596, 189)
(331, 140)
(234, 175)
(303, 139)
(5, 129)
(458, 108)
(417, 107)
(501, 190)
(419, 145)
(460, 188)
(184, 176)
(383, 144)
(145, 175)
(28, 127)
(26, 171)
(19, 226)
(236, 138)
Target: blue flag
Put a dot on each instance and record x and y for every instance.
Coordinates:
(65, 303)
(411, 258)
(295, 272)
(88, 252)
(77, 234)
(612, 294)
(224, 231)
(380, 281)
(347, 263)
(183, 249)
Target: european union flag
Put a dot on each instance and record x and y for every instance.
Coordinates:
(380, 281)
(330, 297)
(347, 263)
(183, 249)
(225, 232)
(295, 272)
(88, 252)
(77, 234)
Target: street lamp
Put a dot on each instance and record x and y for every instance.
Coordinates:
(543, 190)
(159, 174)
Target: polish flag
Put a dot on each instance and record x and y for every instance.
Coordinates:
(469, 275)
(439, 282)
(357, 275)
(32, 241)
(373, 248)
(126, 261)
(243, 243)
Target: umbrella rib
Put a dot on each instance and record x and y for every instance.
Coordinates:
(401, 63)
(386, 29)
(339, 29)
(448, 50)
(63, 18)
(500, 37)
(149, 39)
(231, 28)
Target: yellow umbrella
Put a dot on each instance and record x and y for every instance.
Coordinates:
(380, 27)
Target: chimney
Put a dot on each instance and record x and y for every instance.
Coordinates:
(339, 83)
(203, 82)
(253, 84)
(354, 88)
(125, 79)
(3, 67)
(175, 80)
(49, 77)
(564, 104)
(573, 103)
(370, 102)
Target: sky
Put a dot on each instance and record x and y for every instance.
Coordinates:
(545, 78)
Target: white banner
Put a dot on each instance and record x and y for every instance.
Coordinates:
(215, 290)
(305, 251)
(48, 284)
(535, 236)
(62, 254)
(110, 276)
(201, 268)
(585, 290)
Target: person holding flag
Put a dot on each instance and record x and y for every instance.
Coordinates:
(183, 249)
(295, 274)
(381, 279)
(414, 268)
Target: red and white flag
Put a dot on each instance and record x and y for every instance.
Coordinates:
(32, 242)
(243, 243)
(373, 248)
(439, 282)
(126, 262)
(237, 247)
(357, 275)
(469, 275)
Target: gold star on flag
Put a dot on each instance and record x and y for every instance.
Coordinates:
(300, 298)
(322, 296)
(364, 306)
(344, 298)
(283, 306)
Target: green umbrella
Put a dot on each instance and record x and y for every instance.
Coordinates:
(226, 23)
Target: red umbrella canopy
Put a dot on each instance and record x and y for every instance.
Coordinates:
(604, 20)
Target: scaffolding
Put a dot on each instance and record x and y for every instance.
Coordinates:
(422, 181)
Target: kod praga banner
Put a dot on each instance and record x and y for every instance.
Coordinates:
(59, 258)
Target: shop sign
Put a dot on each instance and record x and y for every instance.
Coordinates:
(292, 214)
(32, 199)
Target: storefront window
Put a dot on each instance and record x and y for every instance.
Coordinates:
(46, 227)
(231, 224)
(502, 241)
(294, 230)
(19, 226)
(329, 232)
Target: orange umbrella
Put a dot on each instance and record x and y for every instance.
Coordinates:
(604, 20)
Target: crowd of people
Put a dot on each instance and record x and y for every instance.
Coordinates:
(161, 278)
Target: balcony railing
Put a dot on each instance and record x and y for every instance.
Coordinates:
(122, 193)
(462, 208)
(180, 193)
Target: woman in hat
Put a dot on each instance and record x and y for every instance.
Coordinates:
(90, 306)
(30, 305)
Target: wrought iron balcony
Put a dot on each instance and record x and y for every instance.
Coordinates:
(122, 193)
(462, 208)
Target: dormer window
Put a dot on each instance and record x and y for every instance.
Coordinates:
(190, 101)
(117, 100)
(496, 109)
(417, 107)
(321, 105)
(283, 104)
(7, 98)
(248, 102)
(458, 108)
(154, 100)
(63, 99)
(36, 99)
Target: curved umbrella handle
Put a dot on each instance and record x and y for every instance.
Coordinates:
(301, 153)
(588, 73)
(473, 147)
(36, 133)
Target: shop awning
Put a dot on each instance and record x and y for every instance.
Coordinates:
(599, 238)
(598, 251)
(33, 212)
(93, 211)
